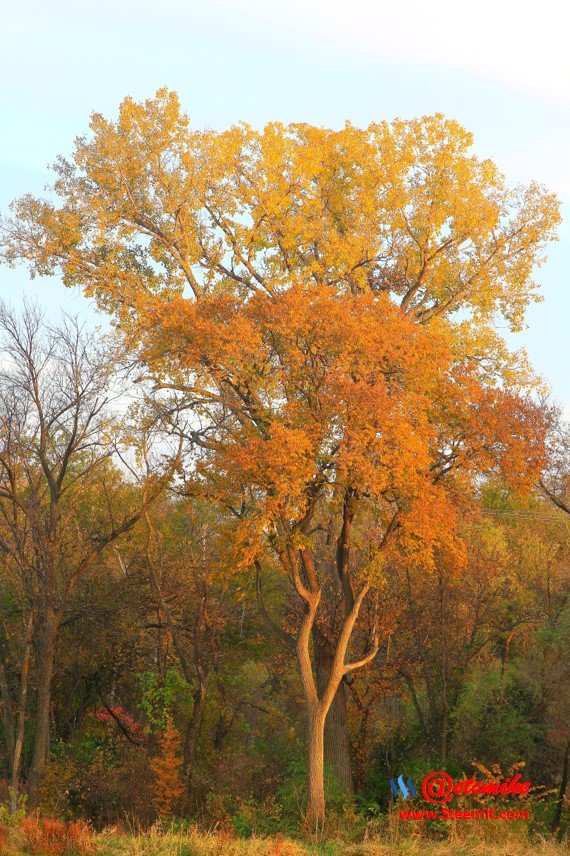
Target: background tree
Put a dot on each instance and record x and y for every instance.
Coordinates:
(555, 484)
(62, 500)
(555, 481)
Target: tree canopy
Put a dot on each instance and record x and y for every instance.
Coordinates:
(312, 312)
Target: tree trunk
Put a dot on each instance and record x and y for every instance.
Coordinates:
(45, 660)
(21, 720)
(318, 708)
(360, 751)
(7, 713)
(316, 778)
(193, 729)
(561, 794)
(337, 744)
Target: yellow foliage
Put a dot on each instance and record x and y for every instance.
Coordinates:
(324, 298)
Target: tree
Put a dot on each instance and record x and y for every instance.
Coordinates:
(62, 501)
(555, 481)
(181, 556)
(315, 311)
(555, 485)
(167, 769)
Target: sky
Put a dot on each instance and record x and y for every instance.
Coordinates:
(501, 68)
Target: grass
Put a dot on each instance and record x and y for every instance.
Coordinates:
(194, 843)
(37, 836)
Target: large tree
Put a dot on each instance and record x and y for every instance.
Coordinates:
(315, 309)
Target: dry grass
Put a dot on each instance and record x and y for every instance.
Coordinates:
(195, 843)
(40, 836)
(34, 836)
(45, 836)
(465, 848)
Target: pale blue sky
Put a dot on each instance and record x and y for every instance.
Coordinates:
(499, 70)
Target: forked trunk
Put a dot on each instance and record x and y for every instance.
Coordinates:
(318, 705)
(337, 745)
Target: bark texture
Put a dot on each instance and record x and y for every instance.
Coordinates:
(337, 755)
(45, 656)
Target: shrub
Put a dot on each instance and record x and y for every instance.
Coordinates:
(44, 835)
(167, 769)
(256, 818)
(4, 833)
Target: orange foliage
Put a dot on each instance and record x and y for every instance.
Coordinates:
(4, 833)
(44, 835)
(167, 769)
(325, 299)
